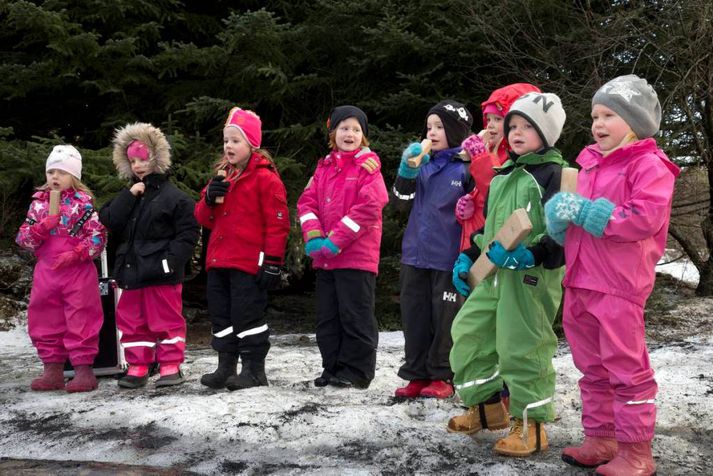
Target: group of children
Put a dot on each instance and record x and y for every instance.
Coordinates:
(493, 345)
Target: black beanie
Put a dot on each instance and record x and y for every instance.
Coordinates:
(456, 119)
(340, 113)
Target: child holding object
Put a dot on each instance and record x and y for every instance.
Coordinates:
(64, 315)
(248, 234)
(486, 150)
(340, 214)
(430, 245)
(153, 221)
(614, 232)
(503, 333)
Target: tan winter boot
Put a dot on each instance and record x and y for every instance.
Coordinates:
(594, 451)
(483, 416)
(519, 444)
(632, 459)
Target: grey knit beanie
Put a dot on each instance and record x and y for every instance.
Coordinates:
(544, 111)
(635, 101)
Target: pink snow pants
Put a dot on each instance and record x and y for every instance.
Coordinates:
(606, 335)
(64, 315)
(151, 319)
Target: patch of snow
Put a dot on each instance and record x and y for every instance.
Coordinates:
(292, 427)
(680, 268)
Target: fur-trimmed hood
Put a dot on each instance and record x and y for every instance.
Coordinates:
(159, 150)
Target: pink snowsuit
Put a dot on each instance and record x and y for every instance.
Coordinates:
(64, 316)
(607, 282)
(344, 201)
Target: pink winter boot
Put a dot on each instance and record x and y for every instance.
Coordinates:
(594, 451)
(632, 459)
(52, 378)
(83, 381)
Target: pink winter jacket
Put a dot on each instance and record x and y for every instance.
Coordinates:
(344, 200)
(638, 178)
(90, 235)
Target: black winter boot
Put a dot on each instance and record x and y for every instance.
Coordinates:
(252, 374)
(227, 365)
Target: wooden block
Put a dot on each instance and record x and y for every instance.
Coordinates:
(414, 162)
(221, 173)
(514, 230)
(54, 202)
(568, 182)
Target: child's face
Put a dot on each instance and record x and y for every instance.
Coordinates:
(58, 179)
(608, 128)
(139, 167)
(235, 147)
(348, 135)
(436, 132)
(522, 136)
(494, 128)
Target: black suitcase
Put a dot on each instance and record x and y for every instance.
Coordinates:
(110, 359)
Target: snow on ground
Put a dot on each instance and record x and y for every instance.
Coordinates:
(292, 427)
(680, 268)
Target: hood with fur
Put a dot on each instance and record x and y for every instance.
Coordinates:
(159, 150)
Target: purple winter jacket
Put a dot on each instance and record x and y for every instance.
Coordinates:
(344, 200)
(638, 178)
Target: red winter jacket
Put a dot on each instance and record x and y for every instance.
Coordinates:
(252, 223)
(481, 166)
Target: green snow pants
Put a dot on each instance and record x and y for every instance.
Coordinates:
(504, 332)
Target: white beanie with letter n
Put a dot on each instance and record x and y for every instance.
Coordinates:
(544, 111)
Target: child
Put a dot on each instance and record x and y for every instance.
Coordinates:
(504, 332)
(429, 248)
(153, 222)
(620, 214)
(340, 214)
(249, 228)
(64, 316)
(486, 150)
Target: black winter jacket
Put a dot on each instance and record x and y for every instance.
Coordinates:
(156, 232)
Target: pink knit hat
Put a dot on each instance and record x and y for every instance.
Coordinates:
(492, 108)
(248, 123)
(66, 158)
(138, 150)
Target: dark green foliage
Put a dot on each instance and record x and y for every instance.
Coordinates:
(74, 71)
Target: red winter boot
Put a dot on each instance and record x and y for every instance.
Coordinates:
(52, 378)
(413, 389)
(632, 459)
(594, 452)
(83, 381)
(438, 389)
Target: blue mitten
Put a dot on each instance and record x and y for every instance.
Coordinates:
(461, 268)
(520, 258)
(327, 250)
(555, 210)
(413, 150)
(594, 216)
(313, 245)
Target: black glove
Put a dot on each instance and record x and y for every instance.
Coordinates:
(217, 187)
(268, 277)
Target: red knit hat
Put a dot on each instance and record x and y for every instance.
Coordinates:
(248, 123)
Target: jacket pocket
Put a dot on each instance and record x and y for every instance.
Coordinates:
(152, 260)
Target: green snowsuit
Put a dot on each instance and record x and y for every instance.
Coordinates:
(504, 329)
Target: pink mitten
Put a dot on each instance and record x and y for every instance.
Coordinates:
(465, 207)
(69, 257)
(42, 228)
(473, 145)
